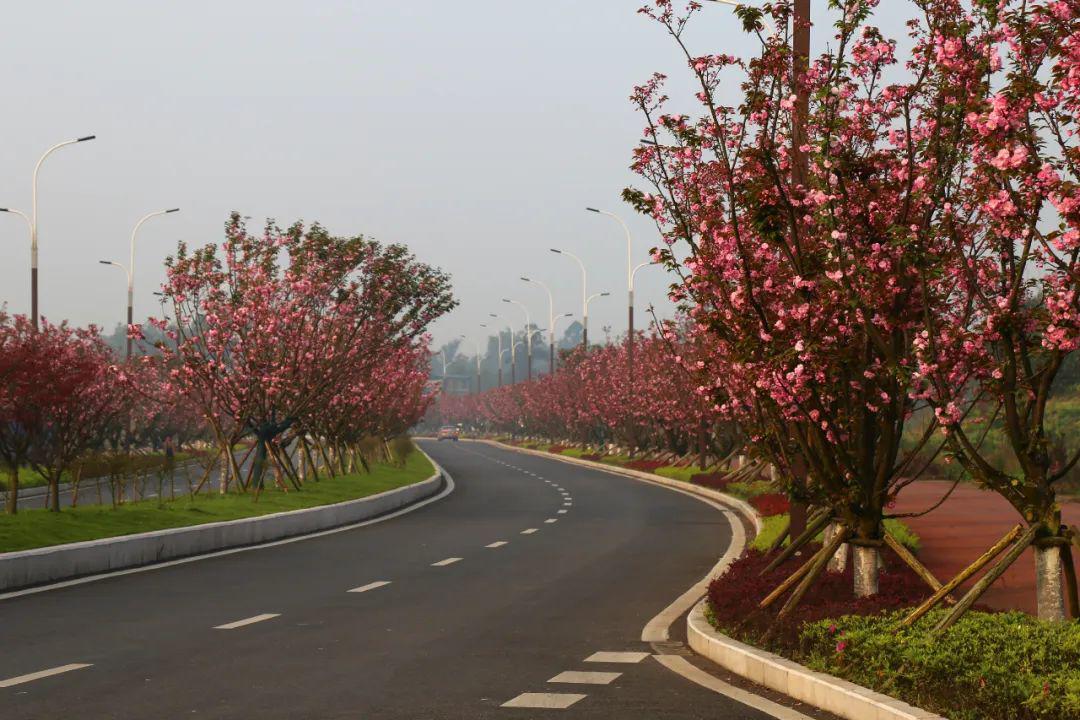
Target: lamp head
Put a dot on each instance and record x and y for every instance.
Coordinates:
(172, 210)
(592, 210)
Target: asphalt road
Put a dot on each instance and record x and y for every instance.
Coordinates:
(444, 638)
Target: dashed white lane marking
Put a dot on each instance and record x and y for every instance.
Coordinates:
(447, 561)
(551, 520)
(530, 531)
(605, 656)
(568, 504)
(30, 677)
(370, 586)
(562, 512)
(247, 621)
(497, 543)
(548, 701)
(585, 678)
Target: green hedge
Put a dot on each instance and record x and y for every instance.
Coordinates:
(989, 666)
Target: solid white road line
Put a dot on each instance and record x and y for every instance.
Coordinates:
(547, 701)
(688, 670)
(605, 656)
(530, 531)
(370, 586)
(585, 678)
(447, 561)
(29, 677)
(551, 520)
(497, 543)
(247, 621)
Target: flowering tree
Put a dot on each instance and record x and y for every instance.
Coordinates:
(811, 278)
(272, 328)
(1015, 231)
(61, 394)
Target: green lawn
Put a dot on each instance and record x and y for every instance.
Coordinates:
(40, 528)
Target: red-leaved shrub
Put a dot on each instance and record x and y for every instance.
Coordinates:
(770, 504)
(734, 597)
(716, 481)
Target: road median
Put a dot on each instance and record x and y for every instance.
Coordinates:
(39, 566)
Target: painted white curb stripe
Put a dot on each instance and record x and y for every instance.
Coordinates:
(547, 701)
(682, 666)
(247, 621)
(30, 677)
(585, 678)
(370, 586)
(447, 561)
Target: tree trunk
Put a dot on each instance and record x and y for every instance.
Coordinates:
(838, 562)
(1049, 588)
(54, 493)
(865, 562)
(13, 490)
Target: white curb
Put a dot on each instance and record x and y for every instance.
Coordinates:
(40, 566)
(829, 693)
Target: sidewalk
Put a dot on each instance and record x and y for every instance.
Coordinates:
(963, 528)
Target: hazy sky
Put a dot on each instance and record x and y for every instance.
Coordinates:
(474, 131)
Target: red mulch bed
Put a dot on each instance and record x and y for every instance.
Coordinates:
(734, 597)
(716, 481)
(770, 504)
(556, 449)
(595, 457)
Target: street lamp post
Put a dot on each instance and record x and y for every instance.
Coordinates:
(127, 272)
(498, 336)
(629, 288)
(131, 270)
(592, 297)
(528, 335)
(34, 225)
(555, 320)
(477, 363)
(551, 322)
(584, 295)
(510, 329)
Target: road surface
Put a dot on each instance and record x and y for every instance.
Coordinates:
(527, 586)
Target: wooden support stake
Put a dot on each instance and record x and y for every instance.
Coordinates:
(964, 574)
(988, 579)
(781, 536)
(812, 529)
(912, 562)
(819, 563)
(788, 583)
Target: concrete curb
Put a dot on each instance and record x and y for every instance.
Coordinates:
(27, 568)
(823, 691)
(820, 690)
